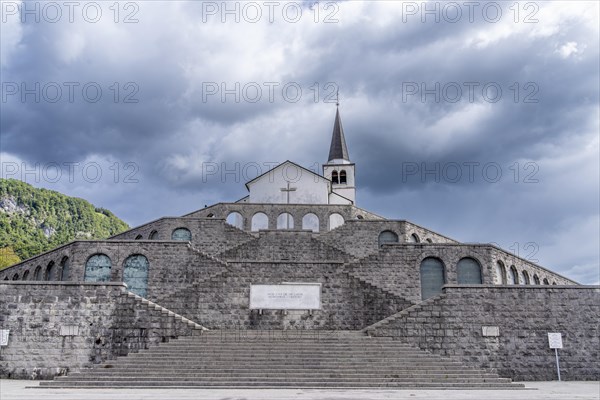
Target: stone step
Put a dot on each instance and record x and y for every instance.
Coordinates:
(198, 364)
(238, 346)
(289, 347)
(285, 356)
(302, 379)
(252, 334)
(269, 384)
(347, 361)
(354, 350)
(298, 372)
(289, 339)
(324, 367)
(281, 363)
(289, 357)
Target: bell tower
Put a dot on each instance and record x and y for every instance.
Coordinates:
(339, 169)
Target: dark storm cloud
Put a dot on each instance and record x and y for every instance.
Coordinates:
(176, 130)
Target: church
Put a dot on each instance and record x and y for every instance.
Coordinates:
(293, 285)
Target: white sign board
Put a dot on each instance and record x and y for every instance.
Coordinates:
(492, 331)
(69, 330)
(4, 337)
(286, 296)
(555, 340)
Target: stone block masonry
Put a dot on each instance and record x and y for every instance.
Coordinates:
(452, 324)
(56, 328)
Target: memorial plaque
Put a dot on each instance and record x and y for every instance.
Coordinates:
(69, 330)
(555, 340)
(490, 331)
(4, 337)
(286, 296)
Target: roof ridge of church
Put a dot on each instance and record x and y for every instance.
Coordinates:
(279, 165)
(338, 149)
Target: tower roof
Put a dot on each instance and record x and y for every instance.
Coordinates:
(338, 149)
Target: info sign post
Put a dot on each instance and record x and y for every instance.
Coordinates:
(555, 342)
(4, 337)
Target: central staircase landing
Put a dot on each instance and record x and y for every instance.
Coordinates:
(283, 359)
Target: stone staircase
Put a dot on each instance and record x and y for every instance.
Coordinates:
(283, 359)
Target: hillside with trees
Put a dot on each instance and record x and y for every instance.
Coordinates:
(35, 220)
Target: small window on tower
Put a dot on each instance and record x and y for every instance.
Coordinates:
(334, 177)
(343, 176)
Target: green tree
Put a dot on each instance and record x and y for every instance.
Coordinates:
(8, 257)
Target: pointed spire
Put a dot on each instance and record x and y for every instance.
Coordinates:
(338, 149)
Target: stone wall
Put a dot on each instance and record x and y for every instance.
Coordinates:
(452, 323)
(211, 235)
(360, 238)
(280, 245)
(528, 272)
(222, 301)
(396, 267)
(171, 263)
(297, 211)
(56, 328)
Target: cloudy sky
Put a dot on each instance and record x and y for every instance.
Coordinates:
(478, 120)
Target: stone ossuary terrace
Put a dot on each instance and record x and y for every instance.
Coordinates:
(397, 304)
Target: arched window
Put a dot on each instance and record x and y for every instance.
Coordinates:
(432, 277)
(526, 280)
(428, 240)
(37, 274)
(210, 215)
(360, 217)
(546, 281)
(6, 278)
(182, 234)
(468, 272)
(414, 238)
(335, 220)
(259, 221)
(50, 272)
(334, 177)
(536, 279)
(310, 221)
(135, 274)
(500, 278)
(65, 265)
(554, 283)
(97, 268)
(236, 219)
(153, 235)
(15, 277)
(513, 276)
(285, 221)
(343, 179)
(25, 275)
(387, 237)
(139, 237)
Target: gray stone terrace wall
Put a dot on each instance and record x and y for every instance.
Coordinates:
(322, 211)
(451, 325)
(360, 238)
(171, 263)
(60, 327)
(211, 235)
(396, 267)
(221, 301)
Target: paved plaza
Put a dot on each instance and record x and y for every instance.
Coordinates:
(20, 390)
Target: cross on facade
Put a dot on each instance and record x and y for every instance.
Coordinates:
(287, 191)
